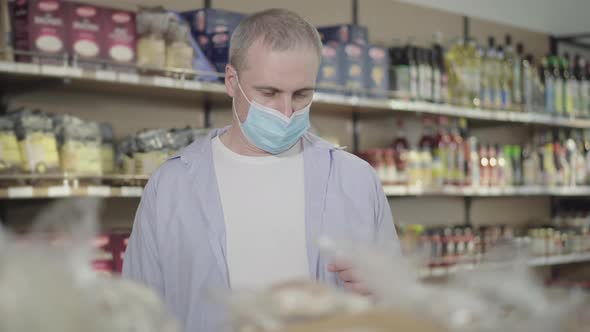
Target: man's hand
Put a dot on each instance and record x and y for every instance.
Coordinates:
(349, 277)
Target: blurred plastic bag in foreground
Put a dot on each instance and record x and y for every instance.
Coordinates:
(47, 283)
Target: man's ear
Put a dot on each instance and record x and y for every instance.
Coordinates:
(231, 77)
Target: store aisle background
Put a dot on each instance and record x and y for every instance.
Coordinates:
(386, 20)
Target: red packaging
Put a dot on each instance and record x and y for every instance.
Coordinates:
(120, 37)
(104, 260)
(85, 33)
(40, 27)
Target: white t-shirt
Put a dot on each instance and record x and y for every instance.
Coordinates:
(263, 202)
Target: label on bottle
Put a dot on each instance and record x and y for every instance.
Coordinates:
(572, 97)
(414, 93)
(549, 95)
(402, 75)
(558, 89)
(436, 86)
(438, 167)
(516, 84)
(585, 97)
(527, 98)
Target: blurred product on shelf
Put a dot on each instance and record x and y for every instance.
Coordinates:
(350, 65)
(6, 40)
(329, 74)
(377, 71)
(79, 144)
(107, 150)
(40, 27)
(33, 142)
(10, 159)
(120, 38)
(179, 52)
(144, 153)
(344, 33)
(37, 141)
(152, 25)
(450, 245)
(85, 31)
(212, 29)
(453, 157)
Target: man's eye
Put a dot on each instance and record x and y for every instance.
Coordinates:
(269, 93)
(301, 95)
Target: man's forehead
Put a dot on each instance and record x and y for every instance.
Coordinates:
(260, 52)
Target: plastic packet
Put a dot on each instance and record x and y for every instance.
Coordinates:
(10, 160)
(152, 25)
(37, 141)
(107, 150)
(503, 296)
(79, 145)
(289, 304)
(126, 151)
(179, 51)
(47, 284)
(153, 149)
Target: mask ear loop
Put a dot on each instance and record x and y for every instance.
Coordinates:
(235, 112)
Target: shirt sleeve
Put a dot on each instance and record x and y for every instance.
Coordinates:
(385, 236)
(141, 261)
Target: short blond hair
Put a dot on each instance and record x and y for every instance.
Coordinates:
(280, 29)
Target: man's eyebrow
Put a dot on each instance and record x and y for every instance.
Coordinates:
(269, 88)
(306, 89)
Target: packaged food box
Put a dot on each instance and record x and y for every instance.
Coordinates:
(353, 69)
(40, 28)
(212, 30)
(329, 76)
(10, 160)
(120, 38)
(344, 33)
(377, 71)
(85, 30)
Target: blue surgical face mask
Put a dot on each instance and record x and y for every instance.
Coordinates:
(269, 129)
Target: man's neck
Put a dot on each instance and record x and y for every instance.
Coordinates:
(234, 140)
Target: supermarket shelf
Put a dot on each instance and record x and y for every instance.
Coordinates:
(439, 272)
(22, 75)
(77, 186)
(393, 191)
(30, 192)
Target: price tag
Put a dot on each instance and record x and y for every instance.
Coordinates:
(100, 191)
(131, 191)
(192, 85)
(128, 78)
(7, 66)
(166, 82)
(59, 191)
(27, 68)
(20, 192)
(105, 75)
(53, 70)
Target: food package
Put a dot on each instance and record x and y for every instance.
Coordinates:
(37, 142)
(126, 155)
(10, 161)
(179, 51)
(50, 286)
(6, 45)
(107, 150)
(80, 146)
(291, 303)
(152, 25)
(152, 146)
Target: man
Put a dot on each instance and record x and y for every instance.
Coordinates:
(245, 206)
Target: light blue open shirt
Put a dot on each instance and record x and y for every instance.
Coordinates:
(178, 246)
